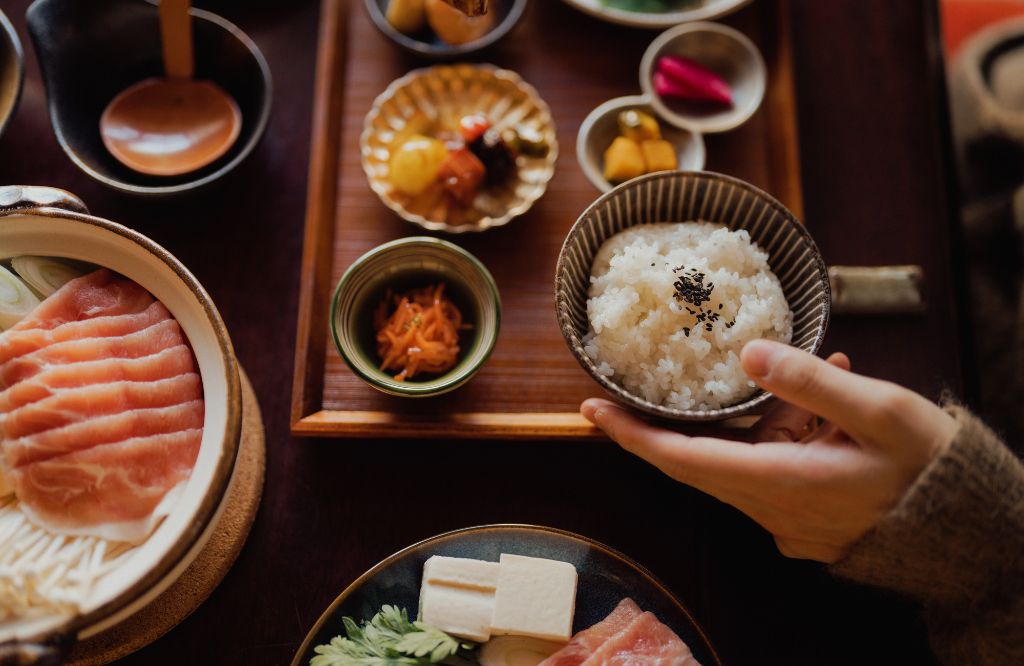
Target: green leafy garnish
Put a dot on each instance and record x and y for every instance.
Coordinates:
(391, 639)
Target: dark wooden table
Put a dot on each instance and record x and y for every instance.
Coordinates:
(875, 175)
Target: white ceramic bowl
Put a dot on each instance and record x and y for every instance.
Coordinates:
(601, 127)
(50, 222)
(707, 9)
(724, 50)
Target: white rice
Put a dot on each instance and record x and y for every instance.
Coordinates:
(637, 336)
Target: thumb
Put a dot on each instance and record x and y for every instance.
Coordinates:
(813, 384)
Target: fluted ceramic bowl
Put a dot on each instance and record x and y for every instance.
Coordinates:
(685, 197)
(444, 94)
(410, 263)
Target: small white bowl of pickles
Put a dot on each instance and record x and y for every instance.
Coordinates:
(697, 78)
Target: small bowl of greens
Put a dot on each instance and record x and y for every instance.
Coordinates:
(416, 317)
(656, 14)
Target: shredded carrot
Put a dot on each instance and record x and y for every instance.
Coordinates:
(418, 332)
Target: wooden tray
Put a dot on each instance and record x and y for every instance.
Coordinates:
(531, 387)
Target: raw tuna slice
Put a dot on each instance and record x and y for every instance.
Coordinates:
(103, 430)
(645, 642)
(101, 293)
(18, 342)
(589, 640)
(114, 491)
(99, 400)
(148, 341)
(163, 365)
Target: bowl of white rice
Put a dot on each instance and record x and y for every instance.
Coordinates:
(663, 280)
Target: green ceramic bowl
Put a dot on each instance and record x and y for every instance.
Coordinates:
(406, 264)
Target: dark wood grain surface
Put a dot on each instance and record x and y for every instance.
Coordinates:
(875, 192)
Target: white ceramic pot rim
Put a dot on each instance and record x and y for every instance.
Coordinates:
(220, 445)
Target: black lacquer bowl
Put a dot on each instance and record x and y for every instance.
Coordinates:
(605, 578)
(91, 50)
(12, 71)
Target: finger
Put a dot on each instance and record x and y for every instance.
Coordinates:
(788, 422)
(716, 466)
(808, 550)
(807, 381)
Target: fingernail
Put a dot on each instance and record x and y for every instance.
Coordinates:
(589, 410)
(758, 357)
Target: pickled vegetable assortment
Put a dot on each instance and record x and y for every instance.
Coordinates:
(456, 163)
(638, 149)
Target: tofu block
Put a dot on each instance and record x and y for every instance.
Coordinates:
(458, 611)
(457, 596)
(461, 572)
(535, 598)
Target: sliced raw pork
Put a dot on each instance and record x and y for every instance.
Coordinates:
(627, 637)
(18, 342)
(101, 409)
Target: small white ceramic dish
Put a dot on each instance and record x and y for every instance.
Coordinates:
(702, 10)
(50, 222)
(724, 50)
(601, 127)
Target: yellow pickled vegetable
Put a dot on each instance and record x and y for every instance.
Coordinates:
(415, 164)
(408, 16)
(659, 155)
(638, 126)
(454, 27)
(623, 160)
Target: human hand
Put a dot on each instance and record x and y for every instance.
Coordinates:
(816, 488)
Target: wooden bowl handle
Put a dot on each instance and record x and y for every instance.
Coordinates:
(176, 35)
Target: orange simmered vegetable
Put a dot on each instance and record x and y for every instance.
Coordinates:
(462, 173)
(638, 149)
(418, 332)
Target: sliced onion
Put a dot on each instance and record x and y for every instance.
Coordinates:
(516, 651)
(45, 275)
(16, 300)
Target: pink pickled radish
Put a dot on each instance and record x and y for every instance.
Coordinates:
(686, 79)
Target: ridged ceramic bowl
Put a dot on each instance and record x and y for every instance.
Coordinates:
(444, 94)
(49, 222)
(410, 263)
(685, 197)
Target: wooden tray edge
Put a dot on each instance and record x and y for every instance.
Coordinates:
(321, 202)
(469, 425)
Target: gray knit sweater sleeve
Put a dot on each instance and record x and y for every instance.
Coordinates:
(956, 543)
